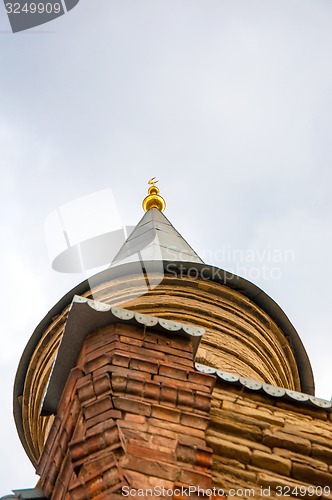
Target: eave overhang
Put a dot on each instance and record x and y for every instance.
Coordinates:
(261, 387)
(86, 316)
(175, 268)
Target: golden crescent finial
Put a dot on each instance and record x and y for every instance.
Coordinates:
(153, 199)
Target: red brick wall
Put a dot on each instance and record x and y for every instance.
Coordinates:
(134, 414)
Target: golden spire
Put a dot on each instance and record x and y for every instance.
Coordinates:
(153, 199)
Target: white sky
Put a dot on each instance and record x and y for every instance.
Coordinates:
(228, 103)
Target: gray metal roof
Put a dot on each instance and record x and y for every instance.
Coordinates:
(28, 494)
(271, 390)
(155, 239)
(87, 315)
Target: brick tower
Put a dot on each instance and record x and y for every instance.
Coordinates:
(167, 377)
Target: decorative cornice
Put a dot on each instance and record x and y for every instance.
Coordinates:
(87, 315)
(271, 390)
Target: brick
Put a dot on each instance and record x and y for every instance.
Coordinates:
(152, 390)
(131, 340)
(67, 471)
(143, 365)
(132, 405)
(95, 486)
(104, 349)
(98, 340)
(97, 407)
(179, 383)
(119, 370)
(106, 416)
(86, 392)
(192, 477)
(311, 475)
(131, 372)
(153, 454)
(70, 424)
(42, 463)
(202, 378)
(84, 380)
(163, 441)
(260, 414)
(229, 449)
(303, 408)
(59, 490)
(322, 452)
(279, 439)
(111, 492)
(135, 332)
(109, 437)
(119, 359)
(139, 419)
(191, 420)
(271, 462)
(191, 440)
(126, 427)
(168, 394)
(165, 413)
(177, 428)
(142, 352)
(78, 449)
(47, 487)
(52, 472)
(63, 440)
(224, 466)
(190, 454)
(161, 431)
(176, 341)
(79, 492)
(185, 362)
(68, 392)
(94, 443)
(204, 457)
(151, 337)
(102, 384)
(253, 445)
(100, 427)
(111, 477)
(311, 429)
(301, 459)
(172, 371)
(119, 383)
(186, 398)
(136, 479)
(96, 363)
(157, 481)
(169, 350)
(202, 401)
(230, 424)
(135, 387)
(183, 492)
(151, 468)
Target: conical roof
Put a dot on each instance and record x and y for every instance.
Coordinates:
(155, 239)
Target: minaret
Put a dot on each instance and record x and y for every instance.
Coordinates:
(108, 397)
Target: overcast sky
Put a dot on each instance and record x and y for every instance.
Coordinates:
(227, 102)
